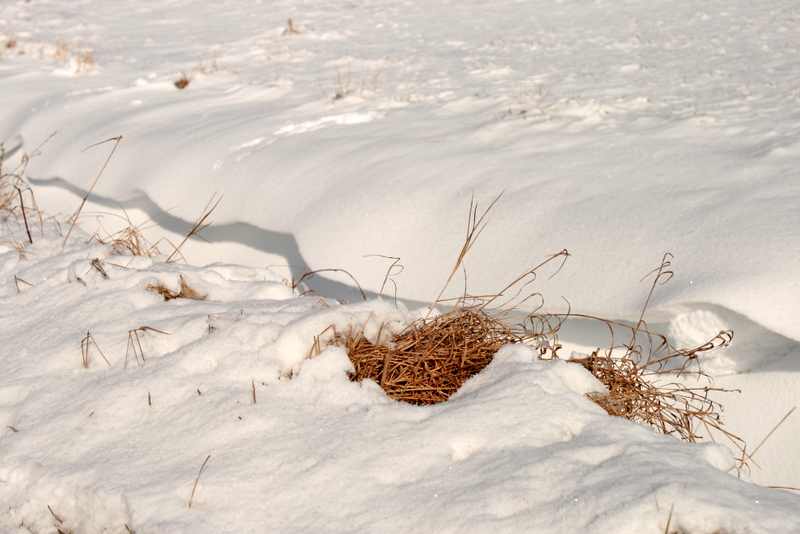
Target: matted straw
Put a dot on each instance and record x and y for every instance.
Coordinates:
(432, 358)
(435, 355)
(644, 391)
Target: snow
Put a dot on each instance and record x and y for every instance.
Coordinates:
(355, 135)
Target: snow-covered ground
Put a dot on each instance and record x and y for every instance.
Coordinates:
(619, 131)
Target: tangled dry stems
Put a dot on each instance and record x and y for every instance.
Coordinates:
(433, 357)
(641, 385)
(429, 360)
(17, 198)
(643, 390)
(130, 240)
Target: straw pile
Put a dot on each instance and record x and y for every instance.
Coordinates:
(641, 389)
(433, 357)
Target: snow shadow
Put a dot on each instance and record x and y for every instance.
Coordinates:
(269, 242)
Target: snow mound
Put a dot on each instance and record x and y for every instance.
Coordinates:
(294, 444)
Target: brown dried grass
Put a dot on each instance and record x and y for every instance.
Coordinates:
(199, 225)
(135, 344)
(433, 357)
(74, 218)
(429, 360)
(644, 390)
(16, 196)
(640, 377)
(130, 240)
(185, 291)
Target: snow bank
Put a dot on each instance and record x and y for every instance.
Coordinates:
(294, 445)
(617, 132)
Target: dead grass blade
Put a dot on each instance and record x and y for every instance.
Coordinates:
(199, 225)
(55, 515)
(660, 273)
(97, 265)
(191, 497)
(135, 344)
(475, 225)
(85, 343)
(17, 280)
(390, 273)
(749, 457)
(24, 217)
(89, 192)
(307, 275)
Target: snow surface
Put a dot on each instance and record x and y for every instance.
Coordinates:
(619, 131)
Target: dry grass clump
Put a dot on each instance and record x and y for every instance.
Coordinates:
(130, 240)
(641, 381)
(185, 291)
(17, 198)
(78, 56)
(432, 358)
(641, 390)
(429, 360)
(201, 68)
(346, 84)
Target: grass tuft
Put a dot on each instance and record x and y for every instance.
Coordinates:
(185, 291)
(641, 390)
(135, 344)
(432, 358)
(201, 68)
(428, 361)
(13, 190)
(85, 345)
(130, 240)
(640, 377)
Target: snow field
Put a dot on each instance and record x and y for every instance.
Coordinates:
(619, 131)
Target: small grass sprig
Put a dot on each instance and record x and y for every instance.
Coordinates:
(199, 225)
(197, 479)
(85, 344)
